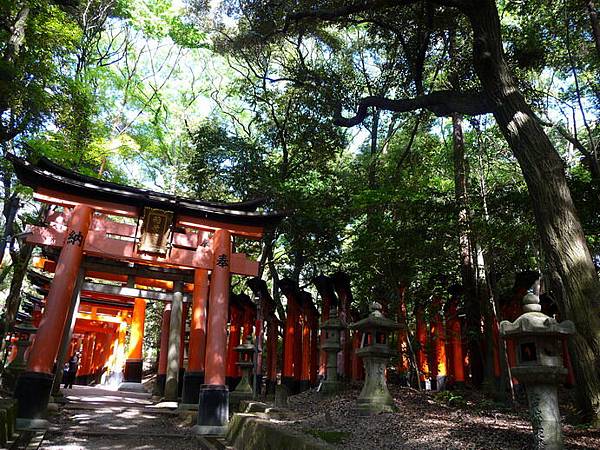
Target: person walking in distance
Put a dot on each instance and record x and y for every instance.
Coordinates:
(72, 370)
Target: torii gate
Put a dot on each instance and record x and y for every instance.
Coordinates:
(162, 237)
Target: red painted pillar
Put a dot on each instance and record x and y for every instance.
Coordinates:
(455, 342)
(213, 407)
(438, 341)
(305, 359)
(356, 361)
(403, 350)
(287, 377)
(194, 375)
(324, 286)
(161, 376)
(421, 335)
(216, 342)
(511, 312)
(314, 345)
(298, 326)
(134, 363)
(33, 386)
(272, 338)
(341, 283)
(233, 370)
(88, 355)
(249, 316)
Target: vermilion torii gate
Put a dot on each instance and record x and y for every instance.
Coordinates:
(170, 233)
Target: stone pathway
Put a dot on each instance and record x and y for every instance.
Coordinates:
(101, 418)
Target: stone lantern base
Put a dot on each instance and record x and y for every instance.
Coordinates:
(329, 388)
(374, 397)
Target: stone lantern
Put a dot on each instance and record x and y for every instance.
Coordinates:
(538, 341)
(375, 353)
(19, 364)
(331, 328)
(243, 390)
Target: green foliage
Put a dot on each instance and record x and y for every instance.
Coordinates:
(450, 398)
(332, 437)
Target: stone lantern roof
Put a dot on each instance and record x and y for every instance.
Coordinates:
(375, 321)
(535, 323)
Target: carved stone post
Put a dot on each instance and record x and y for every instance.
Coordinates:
(538, 340)
(375, 353)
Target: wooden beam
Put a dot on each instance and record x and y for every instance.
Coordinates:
(99, 244)
(129, 292)
(246, 231)
(70, 201)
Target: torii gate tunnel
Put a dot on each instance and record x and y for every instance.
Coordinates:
(170, 240)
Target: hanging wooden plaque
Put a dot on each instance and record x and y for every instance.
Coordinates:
(156, 231)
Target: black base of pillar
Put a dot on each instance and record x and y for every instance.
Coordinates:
(440, 383)
(161, 380)
(213, 406)
(232, 382)
(33, 392)
(133, 371)
(303, 385)
(191, 387)
(270, 387)
(180, 382)
(291, 384)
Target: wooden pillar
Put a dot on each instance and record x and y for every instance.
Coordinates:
(403, 350)
(174, 350)
(194, 375)
(161, 376)
(438, 344)
(249, 316)
(259, 322)
(455, 342)
(314, 346)
(272, 338)
(233, 371)
(213, 408)
(324, 286)
(134, 363)
(288, 287)
(341, 283)
(421, 335)
(34, 386)
(88, 355)
(65, 351)
(305, 358)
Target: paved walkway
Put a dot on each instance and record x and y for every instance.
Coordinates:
(98, 418)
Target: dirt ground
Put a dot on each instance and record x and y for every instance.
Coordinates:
(102, 419)
(425, 420)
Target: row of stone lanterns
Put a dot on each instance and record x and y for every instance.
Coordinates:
(540, 368)
(539, 363)
(375, 353)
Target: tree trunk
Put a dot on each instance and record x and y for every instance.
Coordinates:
(471, 299)
(573, 279)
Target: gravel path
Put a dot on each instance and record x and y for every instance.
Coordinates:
(422, 421)
(102, 419)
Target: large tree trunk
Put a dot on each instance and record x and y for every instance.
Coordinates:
(471, 299)
(573, 279)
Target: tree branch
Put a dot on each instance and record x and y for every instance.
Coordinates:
(441, 103)
(361, 6)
